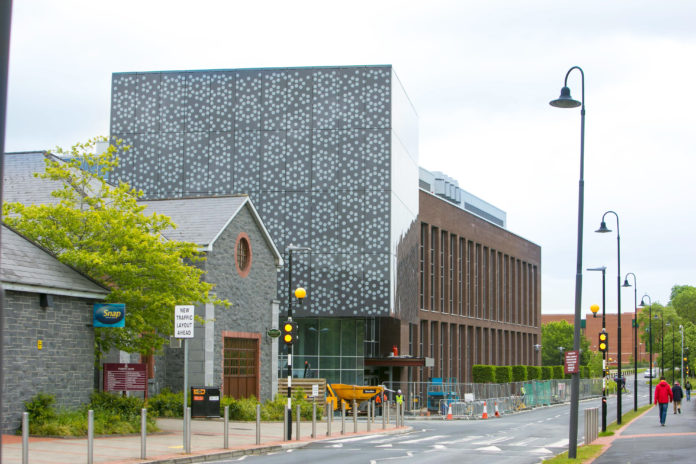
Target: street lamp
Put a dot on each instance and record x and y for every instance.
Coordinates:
(635, 338)
(604, 354)
(565, 101)
(669, 324)
(561, 349)
(642, 304)
(603, 229)
(300, 293)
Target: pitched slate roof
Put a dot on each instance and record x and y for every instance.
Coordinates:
(28, 267)
(19, 183)
(201, 220)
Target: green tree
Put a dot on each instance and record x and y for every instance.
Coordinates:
(559, 334)
(683, 300)
(100, 229)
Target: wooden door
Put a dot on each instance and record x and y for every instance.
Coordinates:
(241, 359)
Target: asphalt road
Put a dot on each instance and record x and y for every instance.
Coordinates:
(526, 437)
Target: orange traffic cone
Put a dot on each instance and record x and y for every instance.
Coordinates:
(497, 413)
(449, 412)
(485, 411)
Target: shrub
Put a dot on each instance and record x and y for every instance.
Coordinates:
(503, 374)
(40, 408)
(533, 372)
(483, 373)
(166, 404)
(519, 373)
(546, 372)
(558, 372)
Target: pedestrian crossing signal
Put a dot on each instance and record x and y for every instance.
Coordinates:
(603, 342)
(289, 332)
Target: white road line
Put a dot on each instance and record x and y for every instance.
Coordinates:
(489, 448)
(540, 451)
(388, 445)
(346, 440)
(524, 442)
(418, 440)
(492, 441)
(558, 444)
(461, 440)
(439, 446)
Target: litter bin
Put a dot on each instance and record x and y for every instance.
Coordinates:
(205, 402)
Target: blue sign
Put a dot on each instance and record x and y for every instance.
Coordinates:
(109, 315)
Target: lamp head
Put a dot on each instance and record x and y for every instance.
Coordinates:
(642, 302)
(603, 229)
(300, 293)
(626, 284)
(565, 100)
(594, 308)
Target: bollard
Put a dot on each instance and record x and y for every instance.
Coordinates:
(384, 416)
(90, 436)
(343, 418)
(226, 432)
(298, 419)
(25, 438)
(355, 416)
(285, 424)
(188, 430)
(329, 419)
(387, 405)
(143, 432)
(369, 414)
(314, 420)
(258, 424)
(397, 414)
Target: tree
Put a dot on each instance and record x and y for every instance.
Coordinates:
(100, 229)
(559, 334)
(683, 300)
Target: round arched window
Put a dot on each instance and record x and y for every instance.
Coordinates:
(242, 254)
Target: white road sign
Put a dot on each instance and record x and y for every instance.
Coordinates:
(183, 321)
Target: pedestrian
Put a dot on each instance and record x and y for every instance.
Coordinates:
(378, 403)
(663, 396)
(687, 387)
(677, 394)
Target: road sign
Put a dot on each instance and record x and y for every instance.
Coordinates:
(183, 321)
(572, 362)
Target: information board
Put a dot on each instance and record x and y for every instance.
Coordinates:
(125, 377)
(572, 362)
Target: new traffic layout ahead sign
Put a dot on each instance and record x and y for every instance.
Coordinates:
(183, 321)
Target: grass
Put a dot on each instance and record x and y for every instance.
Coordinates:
(587, 452)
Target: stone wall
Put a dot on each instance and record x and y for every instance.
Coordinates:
(63, 367)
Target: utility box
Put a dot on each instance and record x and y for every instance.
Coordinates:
(205, 402)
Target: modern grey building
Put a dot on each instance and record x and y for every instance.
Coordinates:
(329, 156)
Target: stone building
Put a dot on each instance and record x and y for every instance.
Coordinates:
(47, 328)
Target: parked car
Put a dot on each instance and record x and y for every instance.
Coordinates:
(649, 374)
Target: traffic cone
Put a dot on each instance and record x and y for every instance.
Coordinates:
(449, 412)
(497, 413)
(485, 411)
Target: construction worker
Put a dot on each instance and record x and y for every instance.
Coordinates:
(399, 397)
(379, 400)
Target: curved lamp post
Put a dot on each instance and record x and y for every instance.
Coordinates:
(635, 338)
(566, 101)
(603, 229)
(642, 303)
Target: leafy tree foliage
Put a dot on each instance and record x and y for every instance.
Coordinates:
(559, 334)
(683, 300)
(100, 229)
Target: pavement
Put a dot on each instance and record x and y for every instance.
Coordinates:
(644, 440)
(166, 446)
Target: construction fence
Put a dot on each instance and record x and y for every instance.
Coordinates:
(471, 400)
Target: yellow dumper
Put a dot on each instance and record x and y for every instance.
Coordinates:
(347, 393)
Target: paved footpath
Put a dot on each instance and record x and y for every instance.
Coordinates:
(645, 441)
(166, 446)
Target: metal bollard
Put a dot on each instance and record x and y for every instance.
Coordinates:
(143, 433)
(188, 430)
(90, 436)
(329, 418)
(285, 424)
(397, 414)
(343, 418)
(387, 405)
(25, 438)
(355, 416)
(258, 424)
(226, 433)
(314, 420)
(298, 419)
(369, 415)
(384, 416)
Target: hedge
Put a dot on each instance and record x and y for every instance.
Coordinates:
(533, 372)
(503, 374)
(546, 372)
(483, 373)
(558, 372)
(519, 373)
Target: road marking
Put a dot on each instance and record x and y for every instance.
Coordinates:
(439, 446)
(490, 442)
(388, 445)
(558, 444)
(524, 442)
(346, 440)
(408, 454)
(461, 440)
(489, 448)
(418, 440)
(340, 445)
(540, 451)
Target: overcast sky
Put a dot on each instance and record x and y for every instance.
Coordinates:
(480, 75)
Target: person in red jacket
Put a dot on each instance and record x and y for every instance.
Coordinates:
(663, 396)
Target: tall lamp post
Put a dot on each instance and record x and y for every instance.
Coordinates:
(662, 344)
(670, 324)
(566, 101)
(642, 303)
(300, 293)
(603, 229)
(681, 370)
(604, 353)
(635, 337)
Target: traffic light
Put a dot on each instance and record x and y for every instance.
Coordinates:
(289, 332)
(603, 341)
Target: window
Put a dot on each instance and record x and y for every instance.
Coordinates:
(242, 255)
